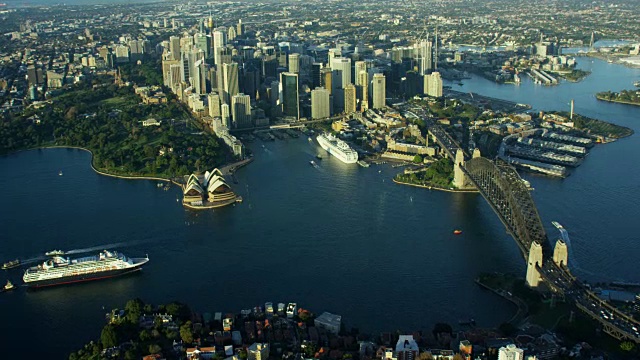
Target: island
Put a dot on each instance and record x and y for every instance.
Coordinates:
(629, 97)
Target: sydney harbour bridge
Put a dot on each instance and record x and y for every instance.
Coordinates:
(510, 198)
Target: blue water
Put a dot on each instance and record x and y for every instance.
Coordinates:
(340, 238)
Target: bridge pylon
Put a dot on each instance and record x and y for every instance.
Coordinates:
(460, 179)
(535, 260)
(561, 254)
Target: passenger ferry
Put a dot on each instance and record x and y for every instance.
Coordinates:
(58, 270)
(337, 148)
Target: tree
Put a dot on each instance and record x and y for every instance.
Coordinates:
(186, 333)
(134, 310)
(154, 349)
(627, 345)
(417, 159)
(109, 336)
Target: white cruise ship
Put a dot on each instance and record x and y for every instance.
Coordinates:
(58, 270)
(337, 148)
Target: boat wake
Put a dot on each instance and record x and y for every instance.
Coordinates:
(103, 247)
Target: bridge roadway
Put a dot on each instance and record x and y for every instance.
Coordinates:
(504, 190)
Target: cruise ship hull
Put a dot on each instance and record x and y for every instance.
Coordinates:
(335, 152)
(87, 277)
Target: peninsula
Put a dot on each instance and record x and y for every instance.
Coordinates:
(629, 97)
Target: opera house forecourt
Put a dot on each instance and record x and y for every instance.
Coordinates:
(208, 191)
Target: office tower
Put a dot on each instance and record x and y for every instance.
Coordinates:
(122, 54)
(199, 79)
(424, 56)
(333, 53)
(219, 37)
(240, 28)
(224, 114)
(282, 59)
(241, 111)
(269, 68)
(320, 106)
(315, 75)
(342, 68)
(294, 63)
(364, 103)
(360, 67)
(379, 88)
(175, 75)
(174, 47)
(510, 352)
(433, 84)
(275, 93)
(166, 70)
(350, 99)
(326, 79)
(137, 49)
(214, 104)
(203, 42)
(290, 96)
(230, 80)
(210, 24)
(231, 33)
(34, 75)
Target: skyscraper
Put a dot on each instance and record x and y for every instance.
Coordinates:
(241, 111)
(424, 56)
(350, 99)
(214, 104)
(379, 88)
(224, 113)
(433, 84)
(326, 79)
(290, 95)
(240, 28)
(203, 42)
(320, 103)
(361, 67)
(230, 81)
(315, 75)
(294, 63)
(174, 47)
(342, 68)
(231, 33)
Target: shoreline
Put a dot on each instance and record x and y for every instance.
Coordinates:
(431, 187)
(232, 166)
(618, 101)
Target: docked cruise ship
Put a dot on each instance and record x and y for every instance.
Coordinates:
(337, 148)
(58, 270)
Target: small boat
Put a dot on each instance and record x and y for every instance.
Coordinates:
(363, 163)
(310, 139)
(9, 286)
(637, 83)
(313, 163)
(319, 157)
(54, 253)
(11, 264)
(457, 232)
(159, 184)
(60, 173)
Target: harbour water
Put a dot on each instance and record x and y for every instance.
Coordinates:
(338, 238)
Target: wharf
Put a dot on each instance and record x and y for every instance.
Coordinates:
(480, 100)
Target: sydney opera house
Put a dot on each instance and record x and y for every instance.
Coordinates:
(208, 192)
